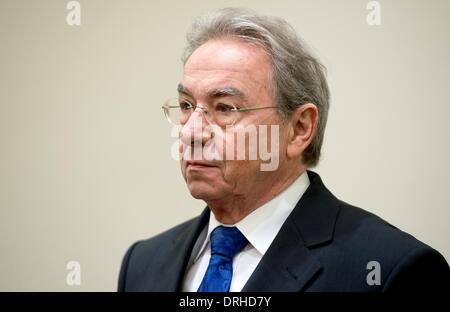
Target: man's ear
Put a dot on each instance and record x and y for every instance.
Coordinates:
(303, 125)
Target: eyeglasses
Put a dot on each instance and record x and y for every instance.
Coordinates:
(178, 112)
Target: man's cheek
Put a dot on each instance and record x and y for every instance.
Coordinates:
(233, 169)
(184, 151)
(229, 143)
(181, 148)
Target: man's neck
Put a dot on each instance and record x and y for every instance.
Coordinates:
(235, 208)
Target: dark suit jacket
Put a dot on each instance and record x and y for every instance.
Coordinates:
(324, 245)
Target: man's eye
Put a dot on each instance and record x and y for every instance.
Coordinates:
(224, 108)
(184, 105)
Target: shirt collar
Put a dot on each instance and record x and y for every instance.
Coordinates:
(262, 225)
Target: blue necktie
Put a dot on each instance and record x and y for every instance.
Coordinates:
(225, 243)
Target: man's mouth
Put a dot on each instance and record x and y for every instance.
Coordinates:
(193, 165)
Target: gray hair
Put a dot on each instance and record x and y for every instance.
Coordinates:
(298, 77)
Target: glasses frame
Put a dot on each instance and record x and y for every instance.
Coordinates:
(166, 108)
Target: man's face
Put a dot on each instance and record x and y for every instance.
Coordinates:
(227, 64)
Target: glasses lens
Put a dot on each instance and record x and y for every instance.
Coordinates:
(224, 114)
(178, 111)
(172, 111)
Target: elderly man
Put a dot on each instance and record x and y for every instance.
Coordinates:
(266, 229)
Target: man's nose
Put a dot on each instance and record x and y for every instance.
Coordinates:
(194, 130)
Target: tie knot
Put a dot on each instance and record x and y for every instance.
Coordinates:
(227, 241)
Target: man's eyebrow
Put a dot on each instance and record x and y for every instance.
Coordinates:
(226, 91)
(215, 93)
(182, 89)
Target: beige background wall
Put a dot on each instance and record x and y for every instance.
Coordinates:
(85, 166)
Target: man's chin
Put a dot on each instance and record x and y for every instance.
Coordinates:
(203, 191)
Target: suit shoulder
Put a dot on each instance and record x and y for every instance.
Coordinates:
(145, 255)
(161, 239)
(365, 235)
(362, 239)
(363, 222)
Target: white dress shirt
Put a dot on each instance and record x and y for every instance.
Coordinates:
(260, 228)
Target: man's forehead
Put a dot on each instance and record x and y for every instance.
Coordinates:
(228, 57)
(227, 64)
(216, 72)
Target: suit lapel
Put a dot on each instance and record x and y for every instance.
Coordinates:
(288, 264)
(180, 253)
